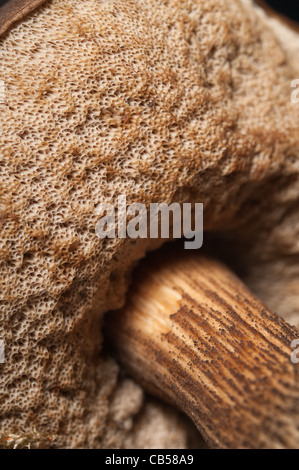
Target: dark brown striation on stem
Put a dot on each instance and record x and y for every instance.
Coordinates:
(16, 10)
(193, 334)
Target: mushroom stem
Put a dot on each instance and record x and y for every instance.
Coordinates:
(192, 334)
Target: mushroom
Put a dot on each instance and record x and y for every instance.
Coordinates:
(193, 334)
(177, 101)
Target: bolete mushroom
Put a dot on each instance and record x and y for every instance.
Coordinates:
(177, 101)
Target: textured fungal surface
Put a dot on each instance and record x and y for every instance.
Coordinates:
(191, 329)
(160, 100)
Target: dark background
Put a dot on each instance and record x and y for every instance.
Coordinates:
(287, 7)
